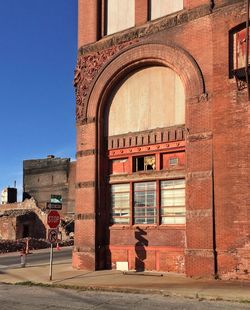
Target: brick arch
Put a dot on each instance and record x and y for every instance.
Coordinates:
(90, 250)
(146, 55)
(117, 69)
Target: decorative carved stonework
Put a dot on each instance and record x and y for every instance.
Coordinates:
(149, 28)
(86, 70)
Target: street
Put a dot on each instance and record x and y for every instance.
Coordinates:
(36, 257)
(17, 297)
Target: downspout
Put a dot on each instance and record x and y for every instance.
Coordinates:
(213, 219)
(247, 51)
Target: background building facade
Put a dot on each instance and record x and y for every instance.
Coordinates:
(50, 176)
(162, 171)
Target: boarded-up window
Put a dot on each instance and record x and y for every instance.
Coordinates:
(148, 98)
(119, 166)
(120, 15)
(172, 160)
(161, 8)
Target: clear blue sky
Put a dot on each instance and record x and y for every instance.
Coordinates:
(38, 53)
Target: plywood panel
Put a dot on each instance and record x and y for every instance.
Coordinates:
(149, 98)
(120, 15)
(161, 8)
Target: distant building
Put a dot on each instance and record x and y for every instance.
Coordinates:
(50, 176)
(8, 195)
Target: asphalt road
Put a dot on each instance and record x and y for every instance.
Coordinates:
(38, 257)
(17, 297)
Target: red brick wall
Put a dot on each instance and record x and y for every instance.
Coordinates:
(8, 228)
(71, 187)
(190, 4)
(141, 12)
(231, 157)
(217, 147)
(87, 21)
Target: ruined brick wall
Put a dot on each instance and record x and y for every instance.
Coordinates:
(14, 217)
(217, 137)
(7, 228)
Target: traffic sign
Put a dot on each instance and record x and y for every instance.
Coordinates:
(56, 198)
(53, 235)
(54, 206)
(53, 219)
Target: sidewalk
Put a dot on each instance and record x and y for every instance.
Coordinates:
(168, 284)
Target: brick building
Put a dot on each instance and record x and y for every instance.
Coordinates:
(162, 116)
(50, 176)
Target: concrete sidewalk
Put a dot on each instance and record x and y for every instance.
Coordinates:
(168, 284)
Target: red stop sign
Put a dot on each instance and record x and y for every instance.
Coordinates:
(53, 219)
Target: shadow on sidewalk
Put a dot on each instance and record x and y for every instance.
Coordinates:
(91, 274)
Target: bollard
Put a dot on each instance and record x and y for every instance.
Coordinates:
(27, 246)
(23, 259)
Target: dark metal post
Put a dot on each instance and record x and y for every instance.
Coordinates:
(51, 261)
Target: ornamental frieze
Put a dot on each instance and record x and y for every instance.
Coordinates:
(86, 70)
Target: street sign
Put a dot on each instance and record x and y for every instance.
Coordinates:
(54, 206)
(56, 198)
(53, 219)
(53, 235)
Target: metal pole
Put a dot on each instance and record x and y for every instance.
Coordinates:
(247, 51)
(51, 261)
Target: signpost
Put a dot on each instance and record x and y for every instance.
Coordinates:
(52, 235)
(53, 220)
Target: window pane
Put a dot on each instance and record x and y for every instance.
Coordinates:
(173, 184)
(120, 221)
(166, 211)
(120, 188)
(120, 197)
(145, 203)
(173, 220)
(143, 186)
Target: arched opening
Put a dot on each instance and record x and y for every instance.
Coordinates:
(145, 168)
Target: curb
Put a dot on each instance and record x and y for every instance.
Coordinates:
(192, 295)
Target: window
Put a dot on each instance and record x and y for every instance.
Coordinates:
(144, 163)
(173, 208)
(238, 51)
(118, 166)
(161, 8)
(170, 210)
(120, 197)
(145, 203)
